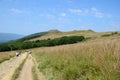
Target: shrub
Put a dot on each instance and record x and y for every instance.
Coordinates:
(41, 43)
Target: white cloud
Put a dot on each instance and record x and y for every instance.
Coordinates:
(98, 14)
(95, 12)
(48, 16)
(93, 9)
(76, 11)
(14, 10)
(90, 11)
(18, 11)
(79, 11)
(115, 24)
(63, 14)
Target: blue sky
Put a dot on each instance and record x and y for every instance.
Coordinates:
(31, 16)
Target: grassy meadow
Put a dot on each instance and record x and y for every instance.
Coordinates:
(54, 34)
(96, 58)
(6, 55)
(91, 60)
(85, 33)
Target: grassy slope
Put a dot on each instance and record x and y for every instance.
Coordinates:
(96, 59)
(32, 36)
(53, 35)
(86, 61)
(85, 33)
(79, 61)
(6, 56)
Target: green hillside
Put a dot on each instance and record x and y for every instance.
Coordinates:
(32, 36)
(55, 38)
(86, 33)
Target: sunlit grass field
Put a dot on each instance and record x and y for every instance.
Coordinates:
(91, 60)
(6, 55)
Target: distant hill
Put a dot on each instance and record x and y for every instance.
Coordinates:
(51, 34)
(5, 37)
(55, 37)
(32, 36)
(39, 34)
(54, 31)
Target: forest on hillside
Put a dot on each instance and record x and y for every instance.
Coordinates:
(19, 45)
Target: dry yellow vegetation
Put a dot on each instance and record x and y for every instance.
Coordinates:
(92, 60)
(53, 35)
(6, 55)
(85, 33)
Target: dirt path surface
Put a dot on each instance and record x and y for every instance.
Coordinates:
(7, 68)
(26, 72)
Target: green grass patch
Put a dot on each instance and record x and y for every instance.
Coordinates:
(35, 75)
(106, 35)
(109, 34)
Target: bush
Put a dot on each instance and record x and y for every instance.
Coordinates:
(41, 43)
(106, 35)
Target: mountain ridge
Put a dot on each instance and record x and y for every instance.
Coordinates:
(5, 37)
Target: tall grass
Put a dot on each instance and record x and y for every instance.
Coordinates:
(6, 56)
(34, 73)
(98, 60)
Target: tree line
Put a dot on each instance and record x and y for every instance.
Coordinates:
(19, 45)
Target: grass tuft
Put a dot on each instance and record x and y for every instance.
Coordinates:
(35, 75)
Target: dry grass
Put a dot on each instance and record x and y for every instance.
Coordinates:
(6, 55)
(73, 33)
(85, 33)
(99, 60)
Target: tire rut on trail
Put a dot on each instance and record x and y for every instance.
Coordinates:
(8, 68)
(26, 72)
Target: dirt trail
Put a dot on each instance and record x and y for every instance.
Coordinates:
(7, 68)
(26, 72)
